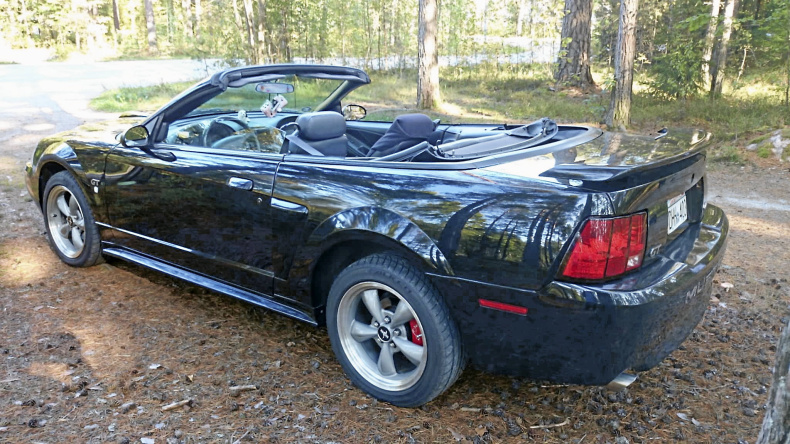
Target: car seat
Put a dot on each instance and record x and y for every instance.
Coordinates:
(406, 130)
(320, 133)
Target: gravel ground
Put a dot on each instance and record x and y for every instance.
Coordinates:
(96, 354)
(101, 354)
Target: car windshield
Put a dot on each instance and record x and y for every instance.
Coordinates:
(301, 94)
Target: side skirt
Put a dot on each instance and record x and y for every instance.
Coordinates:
(209, 283)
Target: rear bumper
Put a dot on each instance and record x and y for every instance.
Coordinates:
(589, 334)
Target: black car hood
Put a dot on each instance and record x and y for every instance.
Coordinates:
(99, 133)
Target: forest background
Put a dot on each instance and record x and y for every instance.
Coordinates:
(722, 65)
(518, 48)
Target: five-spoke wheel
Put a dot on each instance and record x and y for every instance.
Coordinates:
(375, 328)
(392, 332)
(69, 221)
(66, 221)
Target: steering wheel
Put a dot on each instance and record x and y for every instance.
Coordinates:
(227, 126)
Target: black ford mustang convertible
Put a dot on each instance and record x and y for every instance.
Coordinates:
(557, 252)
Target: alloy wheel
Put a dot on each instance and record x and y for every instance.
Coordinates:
(382, 336)
(66, 221)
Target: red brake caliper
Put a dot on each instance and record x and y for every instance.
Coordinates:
(416, 333)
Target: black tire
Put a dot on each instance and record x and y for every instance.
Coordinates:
(71, 229)
(421, 372)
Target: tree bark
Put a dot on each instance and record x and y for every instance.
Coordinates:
(710, 39)
(249, 23)
(619, 115)
(574, 61)
(721, 59)
(428, 56)
(776, 424)
(189, 30)
(261, 24)
(198, 18)
(522, 13)
(787, 66)
(150, 25)
(116, 16)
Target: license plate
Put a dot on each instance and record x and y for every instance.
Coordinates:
(677, 212)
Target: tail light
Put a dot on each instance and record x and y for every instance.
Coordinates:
(607, 247)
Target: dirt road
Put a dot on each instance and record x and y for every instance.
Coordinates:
(93, 355)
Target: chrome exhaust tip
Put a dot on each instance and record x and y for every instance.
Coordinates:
(622, 381)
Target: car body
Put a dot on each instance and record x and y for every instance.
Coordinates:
(479, 239)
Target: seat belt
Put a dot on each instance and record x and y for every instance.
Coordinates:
(303, 145)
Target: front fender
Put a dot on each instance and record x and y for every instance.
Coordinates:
(49, 158)
(85, 162)
(381, 222)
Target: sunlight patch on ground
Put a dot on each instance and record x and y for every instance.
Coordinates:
(458, 111)
(105, 344)
(6, 125)
(30, 263)
(57, 371)
(27, 140)
(757, 90)
(757, 204)
(760, 227)
(39, 127)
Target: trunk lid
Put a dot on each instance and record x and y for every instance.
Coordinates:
(616, 160)
(663, 176)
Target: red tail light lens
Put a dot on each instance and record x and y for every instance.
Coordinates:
(607, 247)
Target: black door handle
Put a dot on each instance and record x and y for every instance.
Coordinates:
(242, 184)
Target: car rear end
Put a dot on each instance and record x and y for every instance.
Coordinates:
(647, 268)
(630, 283)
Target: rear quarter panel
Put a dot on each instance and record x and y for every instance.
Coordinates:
(483, 225)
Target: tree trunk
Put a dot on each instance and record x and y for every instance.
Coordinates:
(198, 18)
(710, 39)
(721, 59)
(171, 18)
(249, 23)
(574, 61)
(787, 66)
(522, 13)
(189, 30)
(150, 25)
(776, 424)
(116, 16)
(428, 56)
(619, 115)
(261, 24)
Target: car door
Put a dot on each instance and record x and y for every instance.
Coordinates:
(206, 210)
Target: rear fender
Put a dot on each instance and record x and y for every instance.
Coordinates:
(381, 222)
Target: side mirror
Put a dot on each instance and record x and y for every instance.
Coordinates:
(354, 112)
(135, 137)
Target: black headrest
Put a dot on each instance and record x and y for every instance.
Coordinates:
(412, 126)
(321, 125)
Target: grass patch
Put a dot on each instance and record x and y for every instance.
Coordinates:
(141, 98)
(484, 93)
(764, 151)
(521, 93)
(727, 154)
(728, 117)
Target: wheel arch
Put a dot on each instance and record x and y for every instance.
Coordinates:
(45, 172)
(354, 234)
